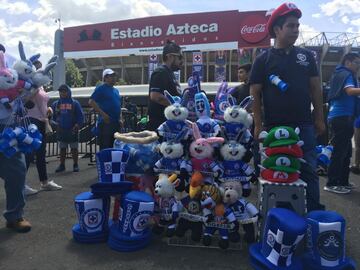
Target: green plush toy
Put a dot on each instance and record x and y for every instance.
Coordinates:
(282, 163)
(282, 135)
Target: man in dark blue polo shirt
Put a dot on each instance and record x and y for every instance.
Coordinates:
(106, 101)
(289, 106)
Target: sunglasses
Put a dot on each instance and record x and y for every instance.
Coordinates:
(180, 56)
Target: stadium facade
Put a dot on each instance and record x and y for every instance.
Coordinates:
(214, 41)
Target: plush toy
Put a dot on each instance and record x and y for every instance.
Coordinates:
(191, 217)
(238, 123)
(201, 152)
(208, 127)
(244, 211)
(221, 101)
(188, 96)
(236, 169)
(10, 86)
(175, 127)
(217, 218)
(166, 204)
(24, 66)
(172, 161)
(172, 158)
(42, 77)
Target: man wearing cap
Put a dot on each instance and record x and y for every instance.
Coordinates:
(106, 101)
(287, 100)
(163, 79)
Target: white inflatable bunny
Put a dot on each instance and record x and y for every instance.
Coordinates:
(24, 66)
(42, 77)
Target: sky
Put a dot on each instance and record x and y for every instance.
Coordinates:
(35, 22)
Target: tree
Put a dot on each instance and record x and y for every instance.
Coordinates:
(73, 76)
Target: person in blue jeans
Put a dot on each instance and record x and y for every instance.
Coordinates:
(344, 108)
(13, 171)
(106, 101)
(290, 107)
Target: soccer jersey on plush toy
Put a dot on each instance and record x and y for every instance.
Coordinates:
(168, 209)
(208, 127)
(236, 170)
(206, 166)
(192, 207)
(237, 132)
(8, 95)
(220, 223)
(243, 209)
(170, 130)
(170, 164)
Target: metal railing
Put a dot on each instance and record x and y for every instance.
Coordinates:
(87, 140)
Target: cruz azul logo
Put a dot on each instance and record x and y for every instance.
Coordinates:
(330, 245)
(140, 221)
(92, 218)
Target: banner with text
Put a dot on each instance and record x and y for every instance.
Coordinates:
(193, 32)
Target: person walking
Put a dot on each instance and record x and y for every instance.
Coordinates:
(344, 107)
(38, 115)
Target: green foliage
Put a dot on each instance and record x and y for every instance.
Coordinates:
(73, 76)
(121, 82)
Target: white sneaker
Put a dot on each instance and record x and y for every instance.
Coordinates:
(50, 186)
(28, 191)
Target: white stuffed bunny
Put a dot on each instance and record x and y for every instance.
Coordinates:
(238, 123)
(176, 123)
(234, 168)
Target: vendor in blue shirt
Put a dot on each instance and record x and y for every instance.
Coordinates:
(343, 109)
(106, 101)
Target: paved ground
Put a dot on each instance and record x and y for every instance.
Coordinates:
(50, 246)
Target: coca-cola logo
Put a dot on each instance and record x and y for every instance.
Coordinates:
(253, 28)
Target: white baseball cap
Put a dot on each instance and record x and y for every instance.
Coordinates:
(107, 71)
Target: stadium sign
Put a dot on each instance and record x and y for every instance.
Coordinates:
(200, 31)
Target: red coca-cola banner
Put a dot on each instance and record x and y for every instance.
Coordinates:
(200, 31)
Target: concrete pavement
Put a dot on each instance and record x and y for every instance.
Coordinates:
(50, 246)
